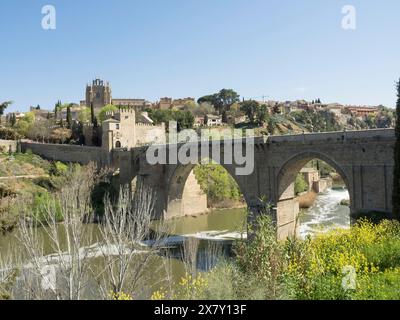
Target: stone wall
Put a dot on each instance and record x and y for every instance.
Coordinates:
(145, 134)
(194, 200)
(322, 185)
(7, 145)
(68, 153)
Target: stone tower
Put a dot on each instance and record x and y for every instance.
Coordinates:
(99, 93)
(119, 129)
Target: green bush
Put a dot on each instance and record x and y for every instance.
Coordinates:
(217, 183)
(46, 205)
(59, 169)
(300, 184)
(228, 282)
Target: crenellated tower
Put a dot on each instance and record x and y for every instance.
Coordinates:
(119, 129)
(99, 93)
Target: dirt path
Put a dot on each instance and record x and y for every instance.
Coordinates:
(23, 177)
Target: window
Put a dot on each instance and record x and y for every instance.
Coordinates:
(118, 144)
(117, 126)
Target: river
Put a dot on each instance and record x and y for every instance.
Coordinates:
(327, 213)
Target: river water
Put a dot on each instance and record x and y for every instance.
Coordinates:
(327, 213)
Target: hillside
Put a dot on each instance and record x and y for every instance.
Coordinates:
(25, 179)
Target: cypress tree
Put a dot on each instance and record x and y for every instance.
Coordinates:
(92, 116)
(56, 109)
(69, 118)
(396, 175)
(13, 120)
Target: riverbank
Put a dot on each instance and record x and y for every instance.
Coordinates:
(307, 199)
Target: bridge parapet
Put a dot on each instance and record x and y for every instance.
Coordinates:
(338, 136)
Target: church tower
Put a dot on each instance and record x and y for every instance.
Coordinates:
(99, 93)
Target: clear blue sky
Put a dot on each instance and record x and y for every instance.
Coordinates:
(285, 49)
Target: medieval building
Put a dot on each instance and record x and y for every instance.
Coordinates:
(99, 94)
(127, 128)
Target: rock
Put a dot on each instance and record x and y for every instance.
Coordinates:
(345, 202)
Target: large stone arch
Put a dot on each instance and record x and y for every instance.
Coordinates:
(287, 207)
(176, 187)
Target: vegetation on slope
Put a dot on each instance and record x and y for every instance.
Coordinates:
(29, 179)
(219, 186)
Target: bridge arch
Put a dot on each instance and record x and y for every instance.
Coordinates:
(176, 187)
(287, 207)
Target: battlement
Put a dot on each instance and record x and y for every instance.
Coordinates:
(140, 124)
(109, 114)
(126, 110)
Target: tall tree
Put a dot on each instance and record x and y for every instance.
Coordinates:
(69, 118)
(207, 99)
(57, 108)
(250, 108)
(3, 107)
(221, 100)
(396, 181)
(92, 115)
(224, 99)
(13, 120)
(262, 114)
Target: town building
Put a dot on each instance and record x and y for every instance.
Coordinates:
(211, 120)
(41, 115)
(335, 108)
(139, 104)
(18, 116)
(75, 113)
(362, 111)
(164, 103)
(181, 103)
(198, 122)
(169, 103)
(124, 129)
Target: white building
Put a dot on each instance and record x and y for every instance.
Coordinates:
(212, 120)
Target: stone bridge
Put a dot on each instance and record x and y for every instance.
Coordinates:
(364, 159)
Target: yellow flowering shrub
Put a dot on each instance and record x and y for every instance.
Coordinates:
(160, 294)
(371, 251)
(120, 296)
(191, 287)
